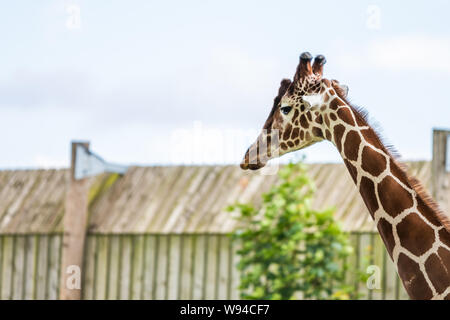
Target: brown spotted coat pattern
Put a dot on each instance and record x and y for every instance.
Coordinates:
(415, 233)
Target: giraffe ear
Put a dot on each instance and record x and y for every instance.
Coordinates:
(341, 89)
(344, 89)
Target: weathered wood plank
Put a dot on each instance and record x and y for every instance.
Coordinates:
(181, 211)
(224, 263)
(210, 196)
(153, 210)
(235, 273)
(12, 196)
(125, 268)
(42, 267)
(19, 264)
(88, 270)
(186, 273)
(167, 223)
(112, 284)
(7, 267)
(161, 268)
(145, 190)
(54, 267)
(150, 244)
(30, 266)
(101, 267)
(173, 277)
(211, 266)
(233, 186)
(199, 267)
(365, 254)
(378, 250)
(130, 198)
(137, 266)
(352, 262)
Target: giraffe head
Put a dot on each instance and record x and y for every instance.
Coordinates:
(299, 114)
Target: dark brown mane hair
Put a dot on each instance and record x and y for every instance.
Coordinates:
(284, 85)
(362, 115)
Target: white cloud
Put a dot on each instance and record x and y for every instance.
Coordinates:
(238, 68)
(406, 52)
(411, 52)
(47, 162)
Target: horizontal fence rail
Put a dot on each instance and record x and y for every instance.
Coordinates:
(148, 266)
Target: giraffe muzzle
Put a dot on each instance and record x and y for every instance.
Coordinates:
(252, 160)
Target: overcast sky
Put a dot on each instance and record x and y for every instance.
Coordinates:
(165, 82)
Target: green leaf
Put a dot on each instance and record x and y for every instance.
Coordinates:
(286, 247)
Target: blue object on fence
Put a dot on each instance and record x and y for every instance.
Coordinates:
(88, 164)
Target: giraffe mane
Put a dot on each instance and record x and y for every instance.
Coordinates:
(284, 85)
(415, 184)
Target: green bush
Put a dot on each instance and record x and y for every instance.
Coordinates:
(286, 247)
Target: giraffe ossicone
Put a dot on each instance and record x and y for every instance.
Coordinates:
(416, 233)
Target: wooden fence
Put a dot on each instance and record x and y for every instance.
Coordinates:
(152, 266)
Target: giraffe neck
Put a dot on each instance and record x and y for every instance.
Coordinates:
(412, 231)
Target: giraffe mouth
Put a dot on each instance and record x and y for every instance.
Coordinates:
(254, 163)
(251, 166)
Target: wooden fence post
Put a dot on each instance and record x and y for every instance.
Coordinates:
(74, 222)
(439, 174)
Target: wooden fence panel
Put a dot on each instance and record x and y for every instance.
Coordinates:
(112, 284)
(353, 261)
(54, 263)
(173, 276)
(101, 268)
(365, 254)
(125, 268)
(137, 267)
(42, 267)
(30, 267)
(377, 247)
(160, 267)
(149, 251)
(7, 267)
(88, 270)
(223, 269)
(18, 268)
(187, 264)
(211, 266)
(234, 281)
(199, 270)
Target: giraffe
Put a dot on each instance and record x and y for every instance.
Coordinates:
(416, 233)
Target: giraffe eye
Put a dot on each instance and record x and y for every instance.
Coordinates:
(286, 110)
